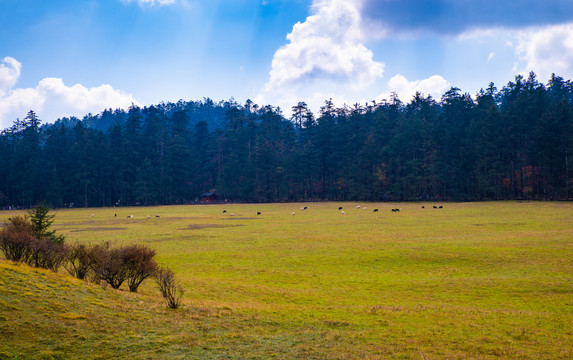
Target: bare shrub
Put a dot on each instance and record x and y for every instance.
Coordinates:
(81, 260)
(170, 289)
(19, 243)
(16, 238)
(133, 263)
(139, 263)
(45, 253)
(109, 265)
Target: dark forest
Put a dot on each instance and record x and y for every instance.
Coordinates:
(512, 143)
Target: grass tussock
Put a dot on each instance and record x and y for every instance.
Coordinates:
(471, 280)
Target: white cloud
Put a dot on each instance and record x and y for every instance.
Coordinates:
(490, 56)
(327, 46)
(435, 86)
(52, 99)
(325, 57)
(151, 2)
(9, 74)
(546, 50)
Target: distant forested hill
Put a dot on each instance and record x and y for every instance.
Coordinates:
(206, 110)
(513, 143)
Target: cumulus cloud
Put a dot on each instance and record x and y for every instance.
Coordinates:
(324, 58)
(151, 2)
(51, 98)
(327, 46)
(542, 49)
(455, 17)
(546, 50)
(9, 74)
(435, 86)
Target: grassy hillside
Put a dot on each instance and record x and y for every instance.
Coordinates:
(471, 280)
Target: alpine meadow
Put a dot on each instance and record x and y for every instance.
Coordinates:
(487, 280)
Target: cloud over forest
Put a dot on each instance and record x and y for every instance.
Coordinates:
(51, 98)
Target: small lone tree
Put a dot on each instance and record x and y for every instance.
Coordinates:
(42, 220)
(169, 287)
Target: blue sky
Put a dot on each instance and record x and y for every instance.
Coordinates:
(71, 57)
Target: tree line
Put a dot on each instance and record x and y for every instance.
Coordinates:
(512, 143)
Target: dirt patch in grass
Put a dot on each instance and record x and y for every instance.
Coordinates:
(203, 226)
(99, 229)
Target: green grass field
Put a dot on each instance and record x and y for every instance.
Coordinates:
(489, 280)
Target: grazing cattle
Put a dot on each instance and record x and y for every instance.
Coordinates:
(115, 215)
(292, 213)
(224, 211)
(148, 216)
(258, 213)
(232, 214)
(395, 210)
(423, 207)
(129, 216)
(435, 207)
(302, 208)
(358, 207)
(365, 208)
(92, 215)
(156, 216)
(440, 207)
(340, 208)
(375, 210)
(342, 212)
(305, 208)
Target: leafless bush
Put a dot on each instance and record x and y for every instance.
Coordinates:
(170, 289)
(139, 263)
(133, 263)
(20, 241)
(109, 265)
(81, 259)
(16, 238)
(46, 254)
